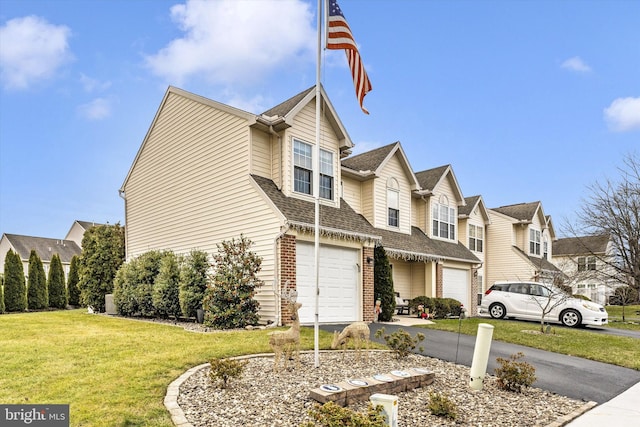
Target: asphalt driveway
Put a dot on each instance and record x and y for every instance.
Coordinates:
(565, 375)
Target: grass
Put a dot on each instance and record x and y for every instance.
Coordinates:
(112, 371)
(621, 351)
(631, 317)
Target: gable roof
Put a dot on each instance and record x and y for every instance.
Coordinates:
(371, 163)
(429, 179)
(345, 222)
(471, 203)
(44, 247)
(541, 264)
(520, 211)
(584, 245)
(287, 106)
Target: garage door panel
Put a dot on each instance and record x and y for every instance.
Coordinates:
(338, 299)
(456, 284)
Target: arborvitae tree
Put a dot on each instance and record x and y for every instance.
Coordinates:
(229, 301)
(383, 284)
(15, 289)
(102, 255)
(55, 283)
(166, 287)
(193, 282)
(1, 293)
(73, 293)
(37, 294)
(148, 270)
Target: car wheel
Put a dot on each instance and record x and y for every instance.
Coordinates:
(571, 318)
(497, 311)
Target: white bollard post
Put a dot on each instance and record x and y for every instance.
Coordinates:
(481, 355)
(389, 405)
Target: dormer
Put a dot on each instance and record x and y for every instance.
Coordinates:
(378, 184)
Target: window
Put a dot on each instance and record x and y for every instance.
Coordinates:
(586, 263)
(476, 238)
(303, 170)
(534, 242)
(393, 203)
(545, 249)
(444, 220)
(326, 174)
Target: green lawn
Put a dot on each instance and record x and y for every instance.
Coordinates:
(621, 351)
(631, 317)
(112, 371)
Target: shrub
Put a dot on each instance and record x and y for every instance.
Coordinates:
(229, 301)
(73, 292)
(124, 296)
(37, 294)
(55, 284)
(427, 302)
(401, 342)
(226, 369)
(441, 405)
(148, 268)
(15, 289)
(193, 282)
(166, 287)
(1, 293)
(514, 375)
(333, 415)
(383, 284)
(102, 255)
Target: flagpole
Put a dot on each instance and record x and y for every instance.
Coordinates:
(316, 194)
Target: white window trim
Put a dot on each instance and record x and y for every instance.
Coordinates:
(452, 212)
(393, 186)
(293, 171)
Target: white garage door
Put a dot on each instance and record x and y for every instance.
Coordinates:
(456, 284)
(338, 283)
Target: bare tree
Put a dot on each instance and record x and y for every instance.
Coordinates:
(547, 298)
(613, 208)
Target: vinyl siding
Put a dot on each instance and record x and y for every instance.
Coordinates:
(190, 188)
(393, 169)
(368, 198)
(351, 193)
(402, 278)
(419, 217)
(261, 162)
(502, 260)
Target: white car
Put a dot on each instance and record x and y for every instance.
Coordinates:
(527, 300)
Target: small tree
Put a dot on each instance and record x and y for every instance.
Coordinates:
(124, 288)
(383, 284)
(624, 296)
(1, 293)
(73, 293)
(166, 287)
(15, 289)
(55, 284)
(37, 294)
(193, 282)
(102, 255)
(148, 269)
(229, 300)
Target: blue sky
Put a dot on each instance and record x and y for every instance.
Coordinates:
(527, 100)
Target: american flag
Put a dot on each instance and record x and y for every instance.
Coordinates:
(339, 37)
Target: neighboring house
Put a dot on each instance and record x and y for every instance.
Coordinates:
(586, 263)
(44, 247)
(76, 232)
(519, 244)
(207, 172)
(473, 221)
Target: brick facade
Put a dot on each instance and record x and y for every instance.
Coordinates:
(368, 298)
(439, 280)
(287, 272)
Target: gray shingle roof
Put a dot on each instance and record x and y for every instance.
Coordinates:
(520, 211)
(283, 108)
(468, 207)
(539, 263)
(369, 161)
(417, 246)
(44, 247)
(581, 245)
(429, 178)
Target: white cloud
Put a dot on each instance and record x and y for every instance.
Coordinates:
(576, 64)
(32, 51)
(231, 41)
(93, 85)
(98, 109)
(623, 114)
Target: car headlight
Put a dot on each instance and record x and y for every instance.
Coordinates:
(591, 306)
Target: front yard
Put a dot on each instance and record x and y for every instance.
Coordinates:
(112, 371)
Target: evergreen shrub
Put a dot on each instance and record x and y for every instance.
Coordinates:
(15, 288)
(55, 284)
(37, 293)
(193, 282)
(383, 284)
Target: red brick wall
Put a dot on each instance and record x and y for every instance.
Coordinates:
(287, 272)
(473, 310)
(439, 280)
(367, 286)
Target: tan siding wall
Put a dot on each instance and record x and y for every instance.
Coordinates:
(502, 260)
(367, 201)
(418, 217)
(191, 188)
(418, 277)
(351, 193)
(393, 169)
(276, 160)
(402, 277)
(260, 153)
